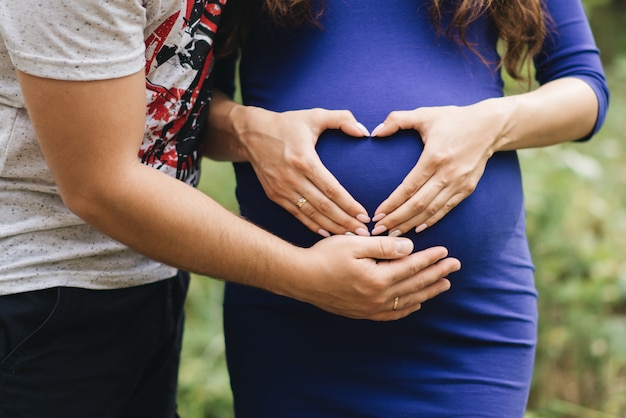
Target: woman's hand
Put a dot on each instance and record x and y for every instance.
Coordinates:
(458, 141)
(281, 149)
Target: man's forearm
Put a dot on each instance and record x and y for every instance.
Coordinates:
(171, 222)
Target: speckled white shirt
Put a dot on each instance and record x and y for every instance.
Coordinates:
(42, 244)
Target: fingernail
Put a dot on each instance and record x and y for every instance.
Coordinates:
(323, 233)
(420, 228)
(362, 232)
(363, 218)
(404, 246)
(378, 129)
(349, 233)
(395, 233)
(379, 217)
(362, 128)
(379, 230)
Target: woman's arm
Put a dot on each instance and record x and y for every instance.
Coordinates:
(458, 142)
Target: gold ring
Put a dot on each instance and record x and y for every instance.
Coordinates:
(395, 303)
(300, 202)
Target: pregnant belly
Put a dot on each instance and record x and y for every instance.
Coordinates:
(370, 169)
(492, 218)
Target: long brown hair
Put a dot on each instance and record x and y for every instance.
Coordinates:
(521, 24)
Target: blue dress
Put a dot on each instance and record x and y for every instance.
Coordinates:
(469, 352)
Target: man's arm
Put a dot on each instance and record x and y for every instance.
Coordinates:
(90, 133)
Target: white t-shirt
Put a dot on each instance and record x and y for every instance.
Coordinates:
(42, 244)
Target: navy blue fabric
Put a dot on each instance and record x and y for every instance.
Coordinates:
(467, 353)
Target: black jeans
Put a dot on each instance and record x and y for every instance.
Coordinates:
(68, 352)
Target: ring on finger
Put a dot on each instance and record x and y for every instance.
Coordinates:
(300, 202)
(396, 301)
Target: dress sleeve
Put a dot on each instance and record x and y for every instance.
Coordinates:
(570, 51)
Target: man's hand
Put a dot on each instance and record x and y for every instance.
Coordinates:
(361, 277)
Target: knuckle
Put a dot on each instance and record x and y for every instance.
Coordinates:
(420, 283)
(377, 287)
(385, 247)
(370, 307)
(468, 189)
(383, 306)
(431, 210)
(316, 112)
(393, 117)
(444, 181)
(345, 114)
(440, 157)
(410, 302)
(308, 210)
(300, 165)
(410, 188)
(331, 191)
(449, 206)
(272, 194)
(373, 287)
(299, 162)
(418, 205)
(324, 206)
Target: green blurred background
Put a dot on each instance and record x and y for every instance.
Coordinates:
(577, 229)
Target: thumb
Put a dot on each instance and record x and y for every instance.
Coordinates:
(385, 248)
(345, 121)
(398, 120)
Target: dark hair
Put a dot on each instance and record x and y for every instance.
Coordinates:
(522, 25)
